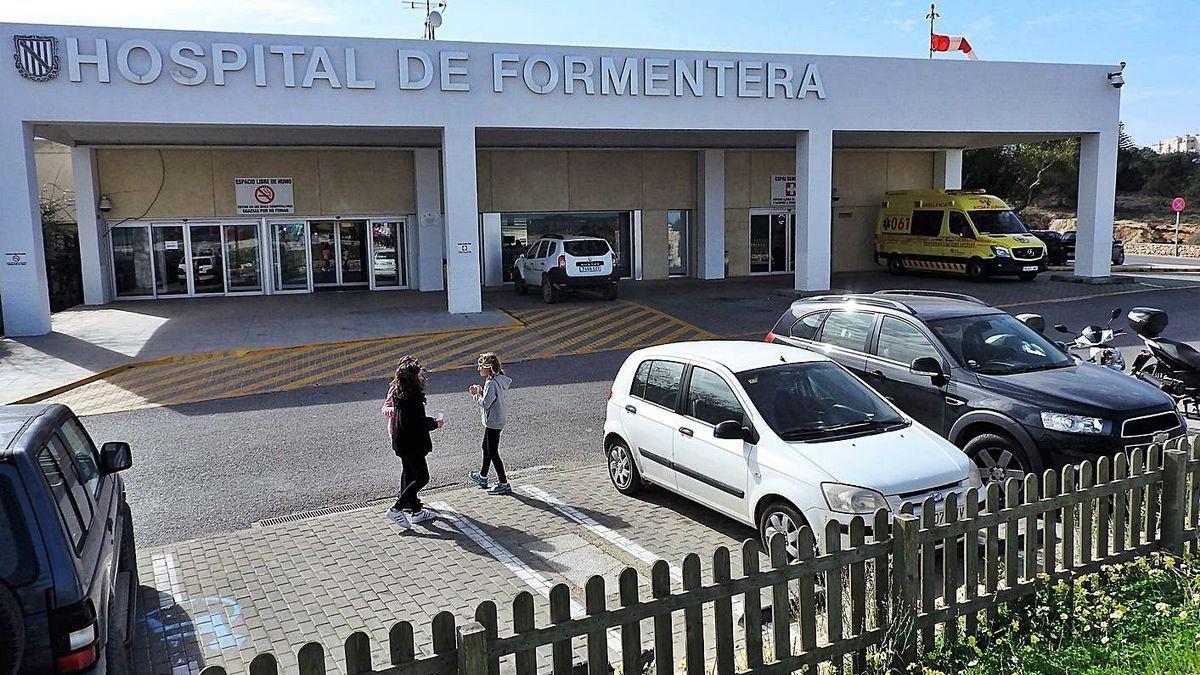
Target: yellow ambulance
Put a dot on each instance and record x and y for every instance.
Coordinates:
(963, 231)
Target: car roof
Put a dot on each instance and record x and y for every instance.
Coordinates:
(736, 355)
(921, 304)
(13, 418)
(571, 237)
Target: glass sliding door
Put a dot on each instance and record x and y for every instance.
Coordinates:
(771, 236)
(352, 252)
(133, 271)
(679, 251)
(518, 230)
(290, 246)
(207, 259)
(322, 240)
(243, 272)
(388, 260)
(170, 265)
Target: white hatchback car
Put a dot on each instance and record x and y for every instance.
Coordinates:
(775, 437)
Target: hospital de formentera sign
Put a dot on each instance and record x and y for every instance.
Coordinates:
(214, 64)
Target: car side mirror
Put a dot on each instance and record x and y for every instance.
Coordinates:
(734, 430)
(114, 457)
(1036, 322)
(929, 367)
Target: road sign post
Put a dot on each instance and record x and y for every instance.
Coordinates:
(1177, 205)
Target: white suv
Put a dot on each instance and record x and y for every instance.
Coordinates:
(557, 263)
(771, 436)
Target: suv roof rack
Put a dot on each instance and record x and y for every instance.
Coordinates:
(863, 299)
(553, 235)
(934, 294)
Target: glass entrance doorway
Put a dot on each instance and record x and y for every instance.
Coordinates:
(771, 237)
(315, 254)
(339, 252)
(160, 260)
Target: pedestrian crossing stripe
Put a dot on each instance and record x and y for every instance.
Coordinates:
(538, 333)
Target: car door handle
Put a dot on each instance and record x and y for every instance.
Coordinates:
(878, 374)
(686, 432)
(631, 410)
(950, 400)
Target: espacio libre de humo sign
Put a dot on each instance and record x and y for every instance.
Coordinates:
(192, 64)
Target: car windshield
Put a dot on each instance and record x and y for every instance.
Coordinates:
(586, 247)
(817, 402)
(997, 344)
(997, 222)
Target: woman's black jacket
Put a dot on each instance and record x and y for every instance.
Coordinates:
(411, 435)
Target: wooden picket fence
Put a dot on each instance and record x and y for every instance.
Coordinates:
(902, 583)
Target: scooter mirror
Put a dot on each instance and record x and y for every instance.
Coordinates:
(1062, 329)
(1115, 313)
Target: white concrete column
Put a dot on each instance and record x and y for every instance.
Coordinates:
(93, 240)
(23, 289)
(1097, 194)
(463, 291)
(947, 169)
(710, 221)
(431, 236)
(814, 204)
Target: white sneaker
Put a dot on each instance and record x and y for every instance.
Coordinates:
(399, 517)
(423, 515)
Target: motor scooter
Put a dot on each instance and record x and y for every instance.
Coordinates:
(1097, 340)
(1172, 366)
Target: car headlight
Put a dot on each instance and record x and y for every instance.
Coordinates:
(1000, 251)
(1074, 424)
(853, 499)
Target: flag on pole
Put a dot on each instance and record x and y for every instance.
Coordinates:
(952, 43)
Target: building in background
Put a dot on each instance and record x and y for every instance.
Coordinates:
(1185, 143)
(219, 164)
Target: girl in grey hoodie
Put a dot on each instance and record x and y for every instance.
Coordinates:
(492, 399)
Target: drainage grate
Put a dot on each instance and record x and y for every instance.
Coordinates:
(305, 515)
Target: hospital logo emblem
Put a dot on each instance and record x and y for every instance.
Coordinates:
(36, 57)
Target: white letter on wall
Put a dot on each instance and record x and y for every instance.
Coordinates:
(352, 81)
(99, 59)
(811, 82)
(572, 75)
(151, 74)
(693, 78)
(749, 73)
(657, 75)
(260, 67)
(625, 80)
(320, 67)
(221, 66)
(780, 75)
(499, 71)
(199, 70)
(450, 70)
(721, 67)
(531, 79)
(406, 74)
(289, 54)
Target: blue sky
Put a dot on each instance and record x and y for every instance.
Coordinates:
(1161, 97)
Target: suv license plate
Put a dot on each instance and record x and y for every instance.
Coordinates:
(1029, 268)
(588, 264)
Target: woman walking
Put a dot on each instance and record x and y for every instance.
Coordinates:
(409, 428)
(492, 399)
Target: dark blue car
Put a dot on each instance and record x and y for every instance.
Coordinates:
(68, 573)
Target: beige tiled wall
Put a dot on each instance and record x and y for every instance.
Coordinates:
(198, 183)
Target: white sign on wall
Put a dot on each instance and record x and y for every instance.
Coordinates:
(263, 196)
(17, 258)
(783, 190)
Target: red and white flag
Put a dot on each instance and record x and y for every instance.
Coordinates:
(952, 43)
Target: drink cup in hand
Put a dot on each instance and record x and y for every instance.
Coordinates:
(441, 419)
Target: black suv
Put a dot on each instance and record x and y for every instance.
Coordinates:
(68, 578)
(1012, 399)
(1060, 246)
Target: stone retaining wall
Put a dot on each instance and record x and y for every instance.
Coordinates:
(1140, 248)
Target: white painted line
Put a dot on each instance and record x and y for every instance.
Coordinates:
(608, 534)
(168, 578)
(524, 572)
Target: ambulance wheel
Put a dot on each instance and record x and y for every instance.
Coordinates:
(895, 265)
(976, 270)
(1027, 276)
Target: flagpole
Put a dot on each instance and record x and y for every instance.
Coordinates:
(931, 16)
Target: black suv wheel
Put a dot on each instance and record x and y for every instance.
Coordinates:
(998, 458)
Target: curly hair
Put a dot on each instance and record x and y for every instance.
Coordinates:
(408, 380)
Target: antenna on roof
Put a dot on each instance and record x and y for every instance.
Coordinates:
(433, 14)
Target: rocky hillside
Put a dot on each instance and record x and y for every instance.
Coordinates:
(1139, 219)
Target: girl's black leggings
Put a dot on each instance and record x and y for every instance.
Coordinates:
(491, 454)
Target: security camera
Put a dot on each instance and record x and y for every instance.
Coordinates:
(105, 204)
(1115, 79)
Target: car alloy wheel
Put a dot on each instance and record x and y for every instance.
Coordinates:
(781, 523)
(997, 465)
(620, 467)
